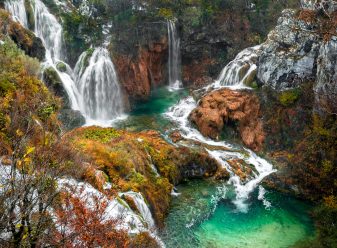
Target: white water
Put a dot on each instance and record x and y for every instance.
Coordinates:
(93, 90)
(241, 70)
(142, 208)
(174, 63)
(179, 115)
(99, 88)
(18, 11)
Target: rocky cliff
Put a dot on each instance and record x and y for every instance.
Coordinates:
(302, 48)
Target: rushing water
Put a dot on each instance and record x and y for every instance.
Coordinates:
(174, 62)
(98, 86)
(17, 9)
(93, 86)
(242, 69)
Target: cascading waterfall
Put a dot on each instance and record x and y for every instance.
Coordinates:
(93, 90)
(49, 30)
(234, 74)
(179, 114)
(98, 86)
(17, 9)
(174, 63)
(241, 70)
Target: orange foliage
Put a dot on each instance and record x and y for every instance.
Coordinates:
(81, 226)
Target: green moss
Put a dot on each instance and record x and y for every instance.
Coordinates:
(289, 97)
(45, 112)
(61, 67)
(103, 135)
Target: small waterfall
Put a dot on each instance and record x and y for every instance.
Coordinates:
(142, 208)
(241, 70)
(179, 115)
(174, 63)
(98, 85)
(18, 11)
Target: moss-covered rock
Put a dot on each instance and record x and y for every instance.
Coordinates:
(141, 162)
(25, 39)
(61, 67)
(54, 83)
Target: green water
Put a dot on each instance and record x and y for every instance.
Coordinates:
(195, 220)
(148, 115)
(198, 218)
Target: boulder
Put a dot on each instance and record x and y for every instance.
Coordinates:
(219, 108)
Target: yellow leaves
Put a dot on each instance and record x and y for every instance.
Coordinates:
(19, 133)
(29, 150)
(330, 202)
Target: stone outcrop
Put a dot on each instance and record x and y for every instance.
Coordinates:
(147, 70)
(302, 48)
(224, 106)
(25, 39)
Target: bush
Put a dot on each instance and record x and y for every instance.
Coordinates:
(289, 97)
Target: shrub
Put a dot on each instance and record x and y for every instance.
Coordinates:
(289, 97)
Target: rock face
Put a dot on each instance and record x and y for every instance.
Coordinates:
(145, 71)
(25, 39)
(221, 107)
(289, 55)
(303, 48)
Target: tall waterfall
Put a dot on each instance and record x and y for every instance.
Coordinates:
(174, 63)
(93, 90)
(242, 69)
(98, 85)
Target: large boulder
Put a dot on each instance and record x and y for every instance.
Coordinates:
(219, 108)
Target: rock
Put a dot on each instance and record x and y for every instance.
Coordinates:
(71, 119)
(222, 174)
(326, 83)
(289, 55)
(219, 107)
(61, 67)
(326, 5)
(25, 39)
(52, 80)
(129, 160)
(176, 136)
(303, 48)
(138, 75)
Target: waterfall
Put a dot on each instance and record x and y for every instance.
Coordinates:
(141, 207)
(179, 115)
(174, 62)
(94, 89)
(241, 70)
(49, 30)
(98, 85)
(18, 11)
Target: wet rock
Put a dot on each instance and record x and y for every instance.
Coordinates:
(71, 119)
(220, 107)
(176, 136)
(54, 83)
